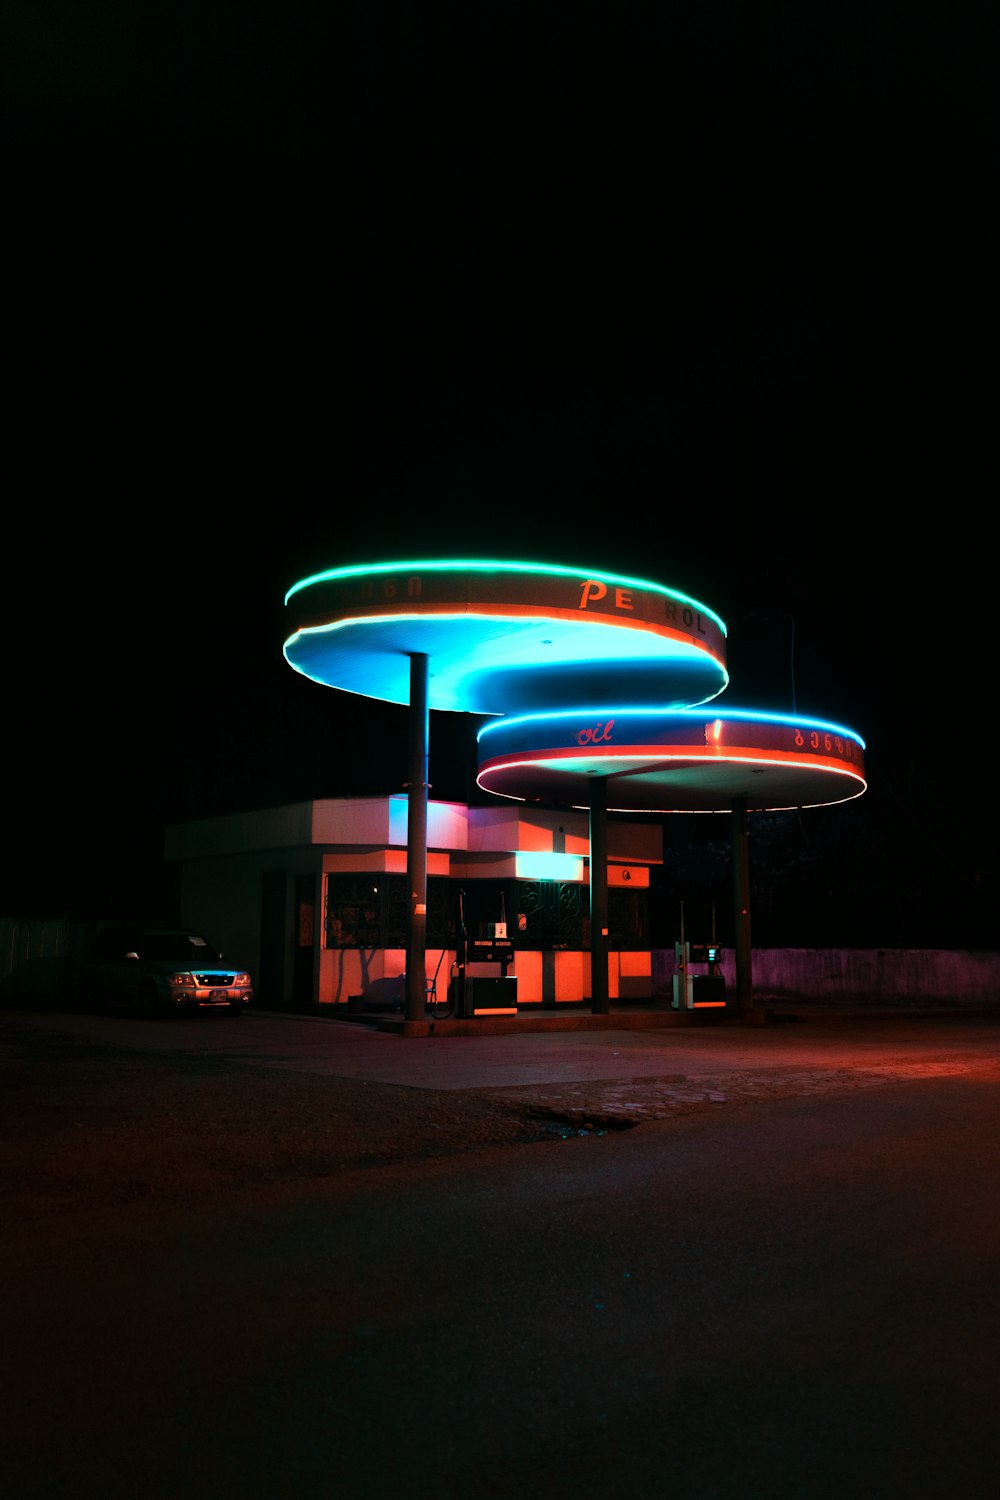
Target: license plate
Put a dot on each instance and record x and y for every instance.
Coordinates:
(218, 994)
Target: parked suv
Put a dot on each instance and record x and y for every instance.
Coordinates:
(161, 970)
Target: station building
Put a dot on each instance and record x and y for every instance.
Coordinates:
(313, 896)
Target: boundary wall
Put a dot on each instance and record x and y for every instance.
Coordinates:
(858, 976)
(40, 959)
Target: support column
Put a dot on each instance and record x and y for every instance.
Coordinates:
(416, 840)
(600, 1003)
(741, 907)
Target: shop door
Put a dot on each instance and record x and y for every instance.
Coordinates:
(303, 956)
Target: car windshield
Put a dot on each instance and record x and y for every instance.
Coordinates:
(178, 948)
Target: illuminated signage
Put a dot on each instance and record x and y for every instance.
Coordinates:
(507, 589)
(503, 638)
(733, 736)
(684, 760)
(541, 865)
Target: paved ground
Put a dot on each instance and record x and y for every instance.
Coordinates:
(397, 1095)
(642, 1072)
(280, 1255)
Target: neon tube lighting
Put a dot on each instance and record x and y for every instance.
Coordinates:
(574, 621)
(543, 865)
(655, 758)
(514, 765)
(697, 713)
(651, 639)
(481, 565)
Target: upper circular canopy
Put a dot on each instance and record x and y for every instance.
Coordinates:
(694, 760)
(504, 637)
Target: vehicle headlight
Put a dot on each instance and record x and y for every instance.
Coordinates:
(176, 981)
(242, 980)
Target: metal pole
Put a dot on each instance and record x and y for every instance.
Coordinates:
(416, 840)
(741, 907)
(600, 1003)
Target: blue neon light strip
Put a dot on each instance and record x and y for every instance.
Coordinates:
(698, 715)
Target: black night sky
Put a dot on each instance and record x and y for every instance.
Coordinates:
(702, 294)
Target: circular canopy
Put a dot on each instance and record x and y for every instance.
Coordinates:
(697, 760)
(504, 637)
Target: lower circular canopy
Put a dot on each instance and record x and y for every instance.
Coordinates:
(693, 760)
(504, 637)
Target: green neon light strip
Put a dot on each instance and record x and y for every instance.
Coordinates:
(480, 565)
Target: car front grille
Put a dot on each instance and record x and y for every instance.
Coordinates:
(215, 981)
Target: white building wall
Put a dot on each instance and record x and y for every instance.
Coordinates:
(221, 897)
(287, 827)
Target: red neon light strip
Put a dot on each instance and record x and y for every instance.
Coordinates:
(362, 615)
(690, 754)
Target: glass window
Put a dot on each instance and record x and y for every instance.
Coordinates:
(353, 911)
(628, 919)
(115, 942)
(178, 948)
(364, 911)
(549, 914)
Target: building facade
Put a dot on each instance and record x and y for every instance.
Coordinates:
(313, 896)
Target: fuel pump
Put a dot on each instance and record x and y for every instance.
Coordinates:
(478, 994)
(458, 968)
(700, 991)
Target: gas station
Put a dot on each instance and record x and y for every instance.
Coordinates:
(598, 689)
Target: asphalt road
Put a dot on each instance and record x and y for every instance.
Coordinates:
(788, 1291)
